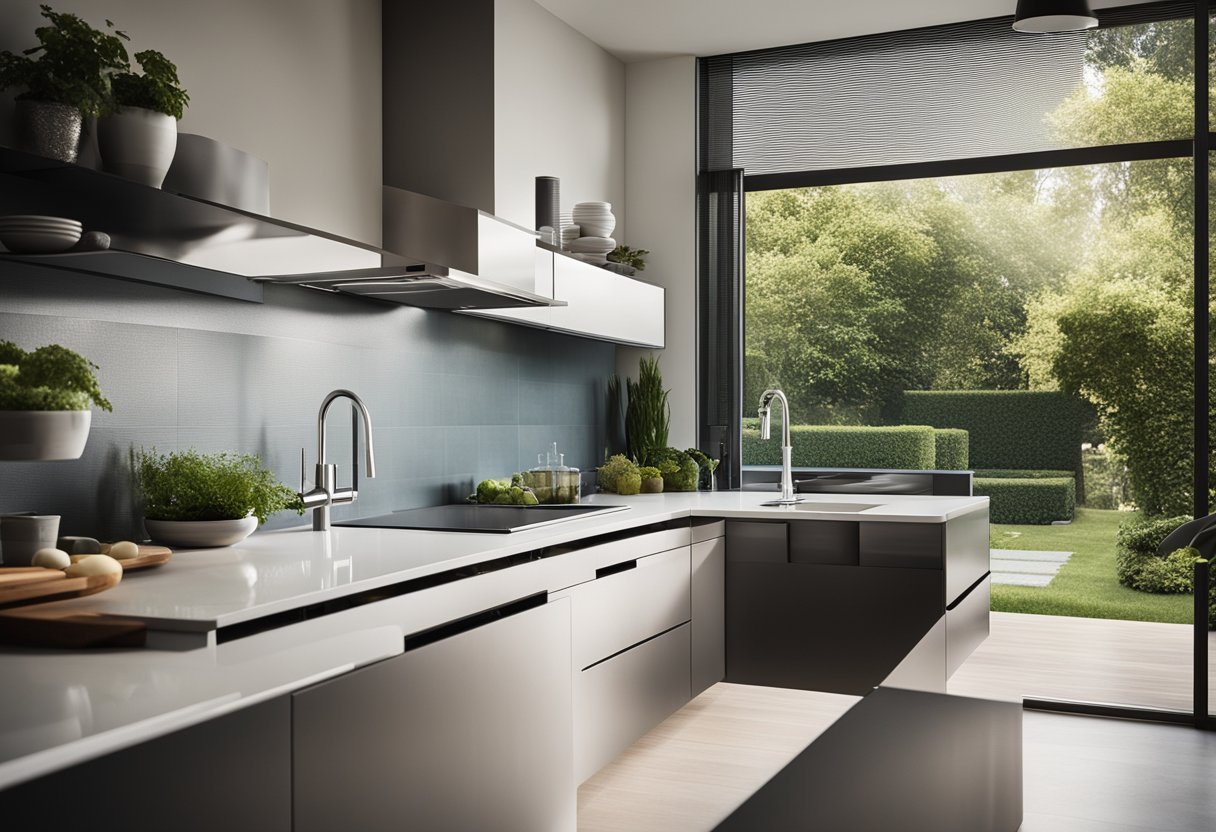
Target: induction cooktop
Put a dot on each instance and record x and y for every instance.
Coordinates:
(481, 519)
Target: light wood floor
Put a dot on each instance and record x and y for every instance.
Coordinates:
(1083, 659)
(699, 765)
(1081, 774)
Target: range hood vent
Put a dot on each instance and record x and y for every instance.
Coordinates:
(461, 258)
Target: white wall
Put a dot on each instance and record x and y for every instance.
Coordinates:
(559, 110)
(660, 198)
(294, 82)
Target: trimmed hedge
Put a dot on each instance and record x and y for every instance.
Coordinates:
(1008, 428)
(1017, 474)
(907, 447)
(1028, 500)
(951, 453)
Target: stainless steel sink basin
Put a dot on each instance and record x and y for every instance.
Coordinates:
(840, 508)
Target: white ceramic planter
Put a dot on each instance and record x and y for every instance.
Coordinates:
(137, 144)
(43, 434)
(200, 534)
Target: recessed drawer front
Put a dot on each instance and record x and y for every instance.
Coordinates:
(901, 545)
(749, 541)
(619, 700)
(967, 625)
(621, 609)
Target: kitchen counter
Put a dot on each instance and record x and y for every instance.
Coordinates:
(62, 707)
(276, 572)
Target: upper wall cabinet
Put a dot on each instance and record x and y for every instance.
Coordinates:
(598, 304)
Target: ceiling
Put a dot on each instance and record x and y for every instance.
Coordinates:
(636, 30)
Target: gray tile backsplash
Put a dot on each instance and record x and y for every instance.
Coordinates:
(454, 399)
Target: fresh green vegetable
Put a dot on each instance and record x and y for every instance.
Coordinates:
(635, 257)
(616, 469)
(49, 378)
(188, 485)
(652, 480)
(702, 459)
(647, 414)
(75, 65)
(157, 89)
(680, 471)
(505, 492)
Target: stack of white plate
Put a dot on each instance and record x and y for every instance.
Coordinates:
(594, 218)
(592, 249)
(31, 234)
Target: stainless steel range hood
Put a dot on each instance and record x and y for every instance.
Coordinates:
(460, 258)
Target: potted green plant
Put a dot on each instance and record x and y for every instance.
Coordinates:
(201, 500)
(647, 413)
(65, 79)
(45, 396)
(139, 138)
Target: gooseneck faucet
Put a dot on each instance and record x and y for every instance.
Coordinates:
(787, 449)
(325, 491)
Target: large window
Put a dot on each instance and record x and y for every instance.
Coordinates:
(991, 266)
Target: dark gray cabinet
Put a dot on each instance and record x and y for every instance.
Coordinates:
(232, 773)
(470, 731)
(839, 606)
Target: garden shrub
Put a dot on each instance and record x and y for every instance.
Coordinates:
(1007, 428)
(906, 447)
(1138, 565)
(1021, 474)
(1027, 500)
(951, 449)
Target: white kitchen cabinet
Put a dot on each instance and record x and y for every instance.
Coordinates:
(599, 304)
(470, 731)
(631, 647)
(708, 612)
(623, 697)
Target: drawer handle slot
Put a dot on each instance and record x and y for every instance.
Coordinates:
(605, 571)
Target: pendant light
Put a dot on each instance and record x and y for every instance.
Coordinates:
(1053, 16)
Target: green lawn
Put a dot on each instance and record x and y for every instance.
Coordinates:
(1086, 586)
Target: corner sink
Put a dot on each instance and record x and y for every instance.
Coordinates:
(838, 508)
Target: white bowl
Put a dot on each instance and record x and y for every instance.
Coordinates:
(200, 534)
(29, 241)
(40, 221)
(606, 206)
(592, 245)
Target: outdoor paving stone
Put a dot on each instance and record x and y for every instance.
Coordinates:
(1024, 554)
(1017, 579)
(1031, 567)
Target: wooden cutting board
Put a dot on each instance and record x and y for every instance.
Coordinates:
(32, 585)
(41, 627)
(148, 556)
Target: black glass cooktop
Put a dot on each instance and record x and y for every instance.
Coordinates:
(488, 519)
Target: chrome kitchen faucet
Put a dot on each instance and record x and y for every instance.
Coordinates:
(787, 449)
(325, 491)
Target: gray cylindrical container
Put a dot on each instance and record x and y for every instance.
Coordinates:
(548, 204)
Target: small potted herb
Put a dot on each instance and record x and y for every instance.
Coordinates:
(201, 500)
(45, 396)
(66, 78)
(139, 138)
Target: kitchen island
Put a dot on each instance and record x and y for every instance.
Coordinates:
(327, 632)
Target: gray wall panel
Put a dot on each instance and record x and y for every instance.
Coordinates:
(447, 392)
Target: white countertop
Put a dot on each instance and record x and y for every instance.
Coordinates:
(59, 707)
(269, 573)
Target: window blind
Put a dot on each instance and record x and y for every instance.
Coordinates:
(959, 91)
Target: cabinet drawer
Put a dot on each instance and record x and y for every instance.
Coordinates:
(618, 610)
(901, 545)
(619, 700)
(967, 624)
(759, 541)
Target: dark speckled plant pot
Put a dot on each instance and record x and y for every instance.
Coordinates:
(50, 130)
